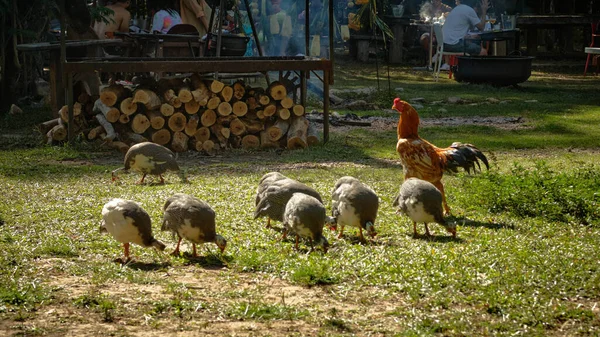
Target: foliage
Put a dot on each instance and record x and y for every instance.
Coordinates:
(370, 11)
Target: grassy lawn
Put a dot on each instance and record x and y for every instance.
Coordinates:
(525, 261)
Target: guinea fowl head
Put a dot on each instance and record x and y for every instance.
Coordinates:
(331, 222)
(221, 243)
(322, 241)
(370, 227)
(408, 123)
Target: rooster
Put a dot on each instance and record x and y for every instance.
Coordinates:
(423, 160)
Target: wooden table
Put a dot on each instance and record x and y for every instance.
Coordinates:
(397, 25)
(57, 87)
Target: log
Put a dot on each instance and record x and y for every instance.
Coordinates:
(201, 96)
(216, 86)
(312, 135)
(122, 147)
(226, 120)
(176, 103)
(132, 138)
(252, 103)
(110, 130)
(198, 145)
(253, 126)
(213, 103)
(264, 100)
(57, 133)
(235, 141)
(209, 117)
(266, 142)
(192, 125)
(260, 114)
(239, 90)
(140, 123)
(64, 111)
(177, 122)
(251, 115)
(192, 107)
(124, 119)
(113, 93)
(237, 127)
(185, 95)
(298, 110)
(277, 130)
(167, 109)
(287, 102)
(128, 107)
(277, 91)
(283, 113)
(162, 136)
(210, 147)
(217, 131)
(95, 132)
(157, 120)
(169, 84)
(43, 128)
(226, 94)
(240, 108)
(250, 142)
(147, 97)
(296, 138)
(202, 134)
(224, 109)
(270, 110)
(179, 143)
(169, 95)
(112, 115)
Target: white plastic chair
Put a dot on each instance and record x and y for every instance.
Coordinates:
(439, 36)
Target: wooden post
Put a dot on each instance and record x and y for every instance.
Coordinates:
(326, 75)
(395, 52)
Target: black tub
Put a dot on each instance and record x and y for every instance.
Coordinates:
(231, 45)
(494, 70)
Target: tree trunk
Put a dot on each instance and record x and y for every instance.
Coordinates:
(296, 137)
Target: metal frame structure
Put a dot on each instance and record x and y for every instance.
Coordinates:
(304, 66)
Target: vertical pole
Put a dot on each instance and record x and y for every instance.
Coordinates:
(326, 74)
(70, 131)
(251, 19)
(63, 47)
(331, 34)
(307, 27)
(211, 23)
(220, 30)
(303, 88)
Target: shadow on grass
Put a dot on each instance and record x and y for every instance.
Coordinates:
(208, 261)
(147, 266)
(466, 222)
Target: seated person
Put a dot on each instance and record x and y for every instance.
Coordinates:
(435, 9)
(165, 18)
(459, 22)
(117, 22)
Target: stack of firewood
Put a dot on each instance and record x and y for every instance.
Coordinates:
(191, 113)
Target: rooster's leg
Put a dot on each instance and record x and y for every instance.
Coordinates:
(176, 251)
(415, 234)
(341, 232)
(427, 230)
(440, 187)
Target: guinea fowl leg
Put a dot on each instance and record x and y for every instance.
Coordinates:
(427, 230)
(341, 232)
(360, 235)
(141, 181)
(268, 222)
(415, 229)
(440, 187)
(297, 238)
(126, 252)
(194, 252)
(176, 251)
(285, 231)
(162, 180)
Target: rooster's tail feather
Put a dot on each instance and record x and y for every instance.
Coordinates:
(465, 156)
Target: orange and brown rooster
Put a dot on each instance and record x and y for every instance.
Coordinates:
(423, 160)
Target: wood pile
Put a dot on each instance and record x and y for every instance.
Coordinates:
(189, 114)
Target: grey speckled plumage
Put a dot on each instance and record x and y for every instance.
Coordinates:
(128, 223)
(192, 219)
(422, 202)
(305, 216)
(354, 204)
(150, 158)
(274, 192)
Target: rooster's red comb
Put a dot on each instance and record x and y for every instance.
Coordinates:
(397, 104)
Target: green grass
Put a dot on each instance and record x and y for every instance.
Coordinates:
(525, 261)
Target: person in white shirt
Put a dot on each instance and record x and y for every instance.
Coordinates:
(458, 23)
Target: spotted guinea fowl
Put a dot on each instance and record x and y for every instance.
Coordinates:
(273, 193)
(354, 204)
(150, 158)
(422, 202)
(128, 222)
(192, 219)
(305, 216)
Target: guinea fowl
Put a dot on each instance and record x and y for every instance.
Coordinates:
(423, 160)
(305, 216)
(150, 158)
(273, 193)
(128, 222)
(354, 204)
(192, 219)
(422, 202)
